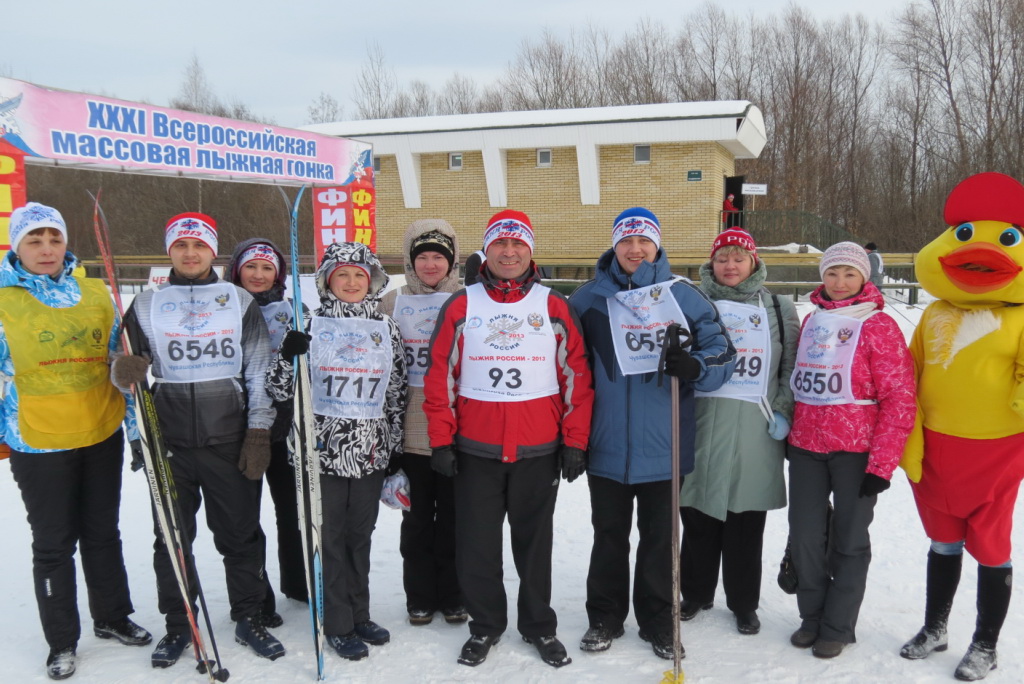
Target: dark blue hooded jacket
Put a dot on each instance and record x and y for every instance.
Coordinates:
(631, 431)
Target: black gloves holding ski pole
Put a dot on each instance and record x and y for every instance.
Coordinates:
(295, 342)
(137, 460)
(676, 361)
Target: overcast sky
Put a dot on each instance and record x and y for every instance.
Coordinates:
(277, 57)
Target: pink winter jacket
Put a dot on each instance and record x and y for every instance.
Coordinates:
(882, 370)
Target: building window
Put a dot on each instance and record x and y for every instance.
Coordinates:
(641, 154)
(376, 164)
(454, 161)
(544, 158)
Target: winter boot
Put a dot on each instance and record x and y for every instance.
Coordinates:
(124, 630)
(661, 644)
(943, 579)
(273, 620)
(250, 631)
(476, 648)
(823, 648)
(61, 663)
(348, 646)
(372, 633)
(747, 622)
(170, 649)
(420, 616)
(994, 587)
(455, 615)
(689, 609)
(600, 637)
(551, 650)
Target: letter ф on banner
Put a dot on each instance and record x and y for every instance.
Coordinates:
(345, 213)
(12, 186)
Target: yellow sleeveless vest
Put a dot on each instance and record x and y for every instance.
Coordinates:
(65, 398)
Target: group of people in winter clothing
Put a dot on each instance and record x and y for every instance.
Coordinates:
(484, 397)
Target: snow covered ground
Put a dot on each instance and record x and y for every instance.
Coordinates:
(892, 612)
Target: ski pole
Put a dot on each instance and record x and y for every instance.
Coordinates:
(675, 676)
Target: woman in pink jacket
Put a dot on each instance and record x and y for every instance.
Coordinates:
(855, 405)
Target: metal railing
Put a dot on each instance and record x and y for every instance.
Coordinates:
(778, 227)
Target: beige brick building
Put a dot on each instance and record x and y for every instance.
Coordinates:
(572, 171)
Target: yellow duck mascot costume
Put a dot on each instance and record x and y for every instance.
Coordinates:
(965, 458)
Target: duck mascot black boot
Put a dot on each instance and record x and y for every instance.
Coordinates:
(943, 579)
(994, 586)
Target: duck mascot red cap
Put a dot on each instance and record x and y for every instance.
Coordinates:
(965, 457)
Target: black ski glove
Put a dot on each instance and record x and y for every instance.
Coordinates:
(137, 461)
(394, 463)
(680, 364)
(128, 370)
(295, 342)
(442, 460)
(572, 461)
(873, 485)
(255, 456)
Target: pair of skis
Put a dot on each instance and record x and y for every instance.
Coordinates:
(158, 475)
(306, 461)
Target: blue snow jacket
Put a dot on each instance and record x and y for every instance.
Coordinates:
(631, 431)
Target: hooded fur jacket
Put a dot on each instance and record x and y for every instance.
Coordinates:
(350, 447)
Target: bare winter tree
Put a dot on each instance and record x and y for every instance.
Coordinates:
(325, 109)
(423, 102)
(376, 87)
(195, 95)
(790, 94)
(699, 58)
(550, 74)
(458, 96)
(639, 66)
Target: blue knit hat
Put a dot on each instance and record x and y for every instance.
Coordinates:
(636, 221)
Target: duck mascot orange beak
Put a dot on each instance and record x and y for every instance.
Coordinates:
(980, 257)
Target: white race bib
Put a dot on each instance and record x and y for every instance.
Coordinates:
(278, 316)
(751, 336)
(639, 319)
(508, 350)
(198, 332)
(350, 366)
(416, 316)
(824, 360)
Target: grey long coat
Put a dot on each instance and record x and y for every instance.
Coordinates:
(738, 466)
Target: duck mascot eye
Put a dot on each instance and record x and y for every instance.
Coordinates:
(965, 457)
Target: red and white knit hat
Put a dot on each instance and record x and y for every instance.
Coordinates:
(191, 225)
(734, 237)
(509, 224)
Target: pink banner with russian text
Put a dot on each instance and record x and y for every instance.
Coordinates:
(76, 128)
